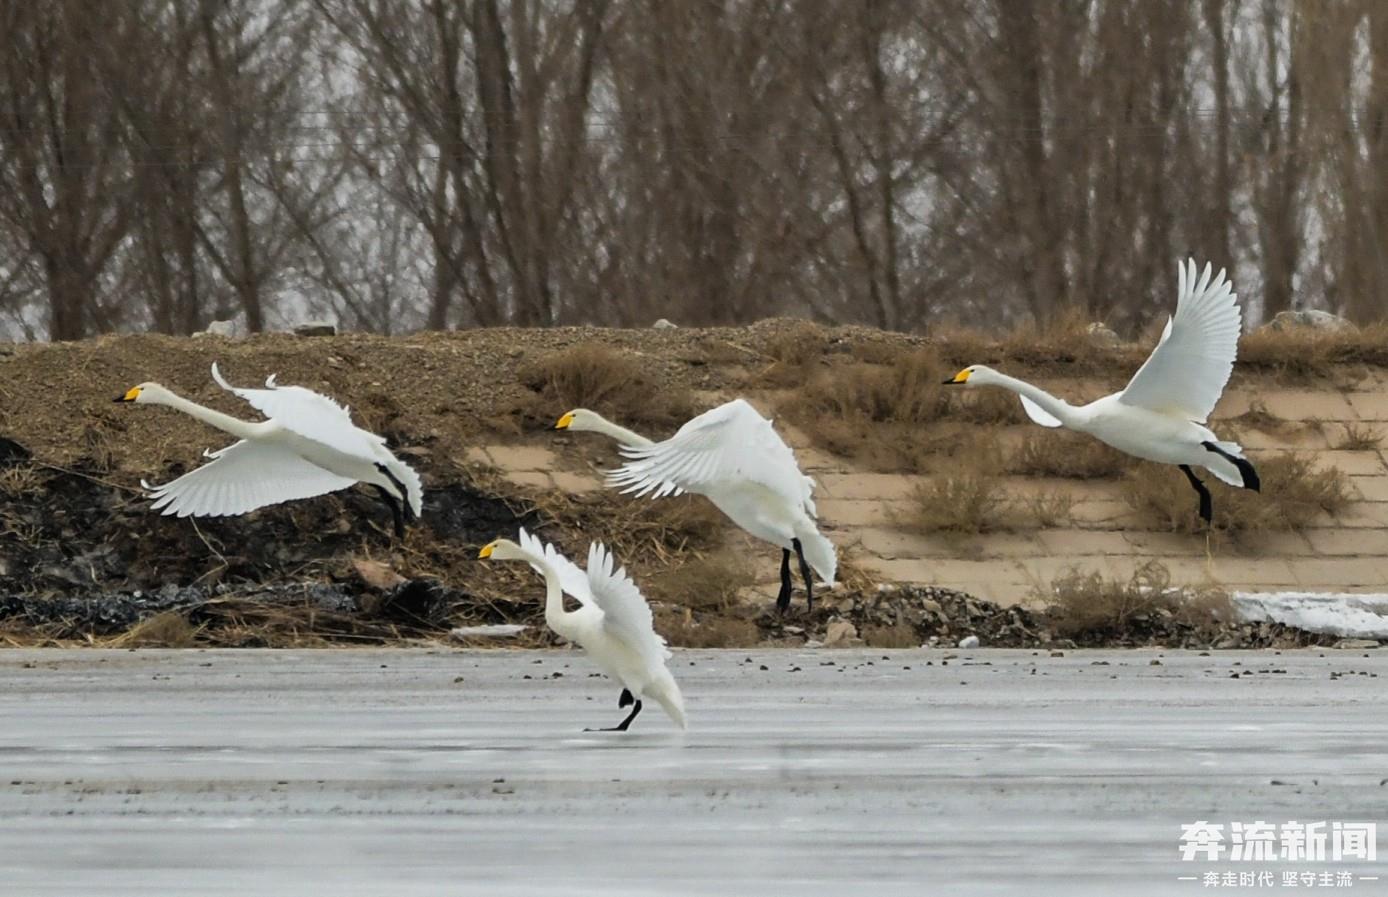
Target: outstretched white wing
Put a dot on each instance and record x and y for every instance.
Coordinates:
(626, 615)
(571, 579)
(242, 477)
(310, 415)
(725, 446)
(1188, 370)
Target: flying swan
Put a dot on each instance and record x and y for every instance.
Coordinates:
(308, 446)
(732, 456)
(613, 622)
(1160, 415)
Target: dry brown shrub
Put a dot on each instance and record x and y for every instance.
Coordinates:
(1049, 509)
(1294, 493)
(966, 499)
(702, 584)
(166, 629)
(1305, 354)
(1062, 454)
(683, 629)
(902, 635)
(614, 384)
(1359, 439)
(1260, 418)
(1079, 603)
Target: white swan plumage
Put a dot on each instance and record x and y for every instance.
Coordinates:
(613, 622)
(1160, 415)
(734, 457)
(308, 446)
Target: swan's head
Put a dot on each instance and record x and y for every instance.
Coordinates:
(579, 419)
(973, 375)
(503, 550)
(145, 394)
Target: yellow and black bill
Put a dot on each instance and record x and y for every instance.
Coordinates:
(564, 421)
(961, 377)
(131, 395)
(487, 550)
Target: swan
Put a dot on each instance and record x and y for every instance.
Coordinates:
(613, 622)
(734, 457)
(308, 446)
(1160, 415)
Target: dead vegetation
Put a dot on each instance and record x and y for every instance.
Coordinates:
(1295, 493)
(1053, 453)
(1305, 354)
(1358, 438)
(614, 384)
(1088, 605)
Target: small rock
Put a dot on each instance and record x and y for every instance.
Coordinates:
(931, 605)
(1357, 643)
(376, 574)
(664, 324)
(315, 328)
(969, 641)
(1310, 319)
(1100, 334)
(839, 632)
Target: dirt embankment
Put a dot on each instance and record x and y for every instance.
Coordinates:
(83, 557)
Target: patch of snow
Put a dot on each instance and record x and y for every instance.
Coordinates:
(1333, 613)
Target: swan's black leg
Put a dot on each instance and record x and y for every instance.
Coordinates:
(1206, 506)
(622, 726)
(395, 511)
(783, 598)
(1246, 470)
(804, 574)
(625, 699)
(399, 487)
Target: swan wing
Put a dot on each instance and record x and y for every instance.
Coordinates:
(310, 415)
(1037, 413)
(1187, 372)
(626, 615)
(721, 448)
(571, 578)
(242, 477)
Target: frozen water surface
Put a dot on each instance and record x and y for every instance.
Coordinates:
(831, 772)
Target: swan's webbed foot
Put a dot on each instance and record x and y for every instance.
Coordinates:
(626, 699)
(1206, 503)
(1247, 472)
(622, 726)
(783, 597)
(396, 513)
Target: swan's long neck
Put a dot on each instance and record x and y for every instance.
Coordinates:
(224, 422)
(1060, 409)
(621, 434)
(555, 616)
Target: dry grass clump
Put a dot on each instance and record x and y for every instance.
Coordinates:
(1260, 418)
(1079, 604)
(701, 584)
(683, 629)
(1307, 354)
(889, 416)
(1063, 454)
(167, 629)
(1049, 509)
(616, 385)
(902, 635)
(966, 499)
(1294, 493)
(1359, 439)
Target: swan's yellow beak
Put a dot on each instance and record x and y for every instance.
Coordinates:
(487, 550)
(564, 421)
(130, 395)
(961, 377)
